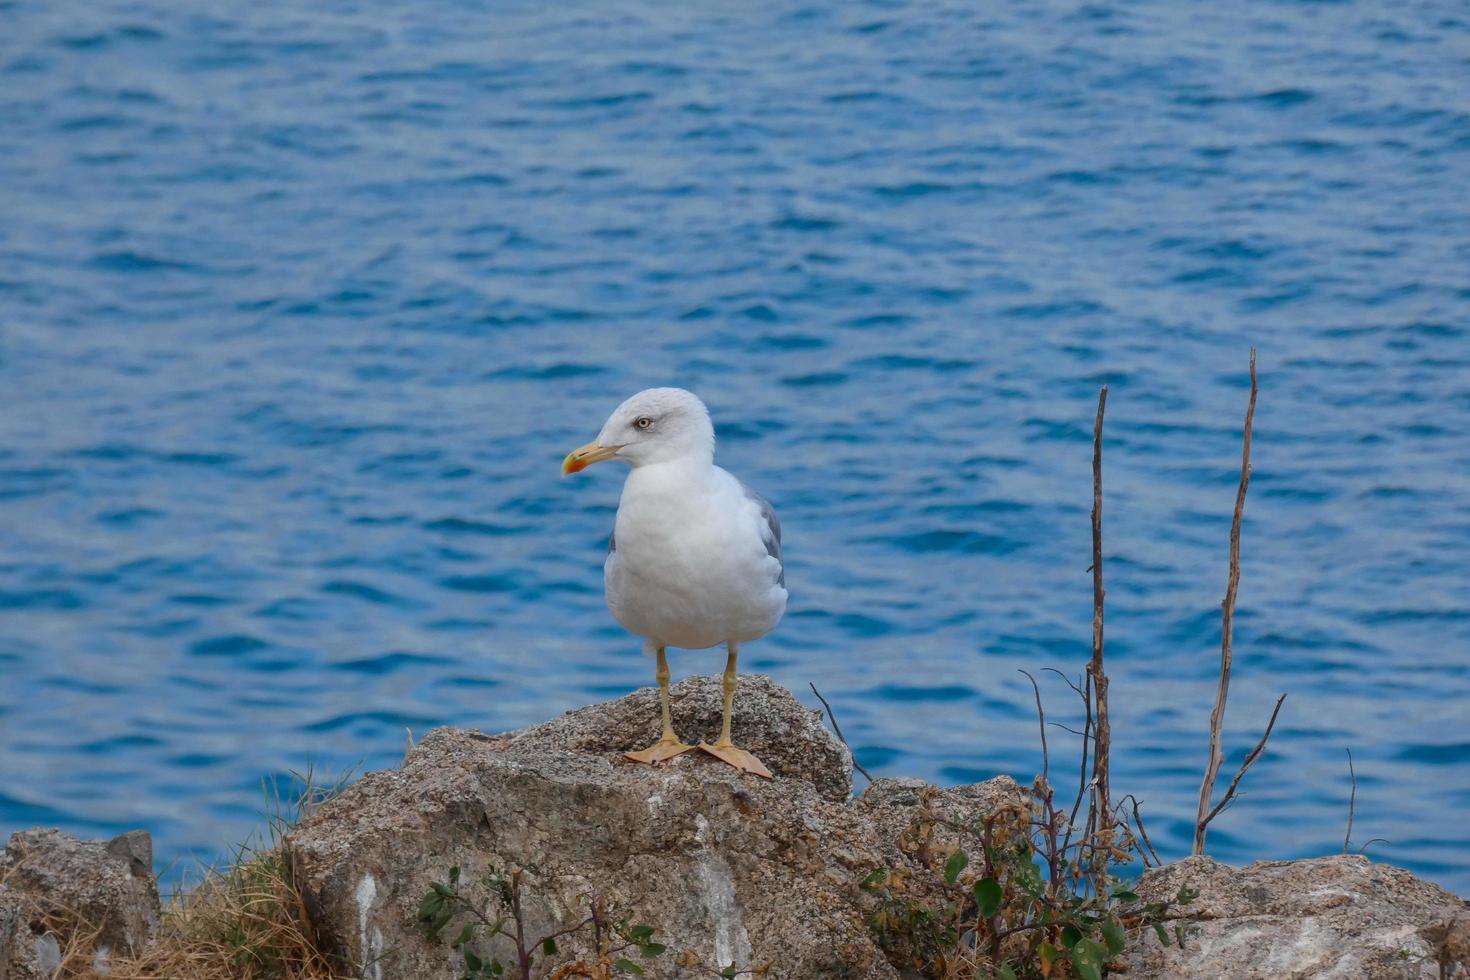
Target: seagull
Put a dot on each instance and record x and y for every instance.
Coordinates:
(694, 560)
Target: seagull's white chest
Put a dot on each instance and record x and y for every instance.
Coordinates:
(689, 567)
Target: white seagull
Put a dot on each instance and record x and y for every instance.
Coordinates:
(695, 556)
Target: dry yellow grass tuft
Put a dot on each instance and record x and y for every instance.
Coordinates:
(247, 921)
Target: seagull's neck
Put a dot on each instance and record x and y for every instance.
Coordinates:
(678, 475)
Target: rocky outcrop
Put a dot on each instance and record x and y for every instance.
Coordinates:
(62, 898)
(1340, 916)
(729, 870)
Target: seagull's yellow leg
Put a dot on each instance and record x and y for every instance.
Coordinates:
(668, 746)
(725, 749)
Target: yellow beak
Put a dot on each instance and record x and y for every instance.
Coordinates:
(581, 458)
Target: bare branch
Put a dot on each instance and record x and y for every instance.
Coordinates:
(1249, 761)
(1041, 722)
(1227, 618)
(1082, 766)
(1142, 832)
(1101, 732)
(836, 728)
(1067, 680)
(1352, 803)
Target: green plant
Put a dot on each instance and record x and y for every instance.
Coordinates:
(1043, 899)
(1020, 908)
(498, 912)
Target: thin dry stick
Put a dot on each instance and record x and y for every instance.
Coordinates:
(1086, 734)
(1101, 734)
(1249, 761)
(1352, 803)
(1227, 618)
(1041, 722)
(1142, 831)
(836, 728)
(1043, 789)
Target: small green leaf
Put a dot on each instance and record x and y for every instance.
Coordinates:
(1087, 957)
(1005, 972)
(955, 865)
(1028, 876)
(465, 935)
(1161, 932)
(1048, 954)
(874, 877)
(472, 963)
(496, 968)
(652, 949)
(1114, 936)
(988, 894)
(1122, 889)
(628, 966)
(640, 934)
(441, 889)
(1186, 895)
(729, 972)
(548, 946)
(430, 906)
(454, 875)
(1071, 936)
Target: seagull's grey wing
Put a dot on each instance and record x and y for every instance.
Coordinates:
(770, 530)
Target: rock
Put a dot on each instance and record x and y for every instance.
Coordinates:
(787, 737)
(1340, 916)
(728, 869)
(60, 894)
(1450, 941)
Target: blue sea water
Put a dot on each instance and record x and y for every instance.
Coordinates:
(301, 305)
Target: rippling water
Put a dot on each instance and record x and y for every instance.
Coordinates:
(299, 310)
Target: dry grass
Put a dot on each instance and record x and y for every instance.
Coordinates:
(247, 921)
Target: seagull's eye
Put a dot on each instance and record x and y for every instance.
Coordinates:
(643, 422)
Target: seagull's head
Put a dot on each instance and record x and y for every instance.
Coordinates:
(653, 426)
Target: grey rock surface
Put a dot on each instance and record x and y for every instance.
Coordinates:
(60, 893)
(729, 869)
(1340, 916)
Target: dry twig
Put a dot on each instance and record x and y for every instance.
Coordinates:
(1227, 618)
(1142, 832)
(1352, 803)
(1041, 722)
(1101, 733)
(1249, 761)
(1086, 733)
(838, 729)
